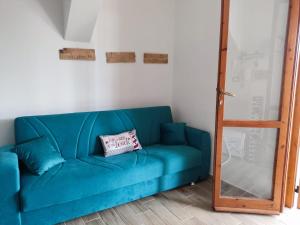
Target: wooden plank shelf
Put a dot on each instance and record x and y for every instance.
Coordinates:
(120, 57)
(151, 58)
(77, 54)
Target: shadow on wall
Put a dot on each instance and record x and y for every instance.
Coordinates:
(7, 137)
(54, 10)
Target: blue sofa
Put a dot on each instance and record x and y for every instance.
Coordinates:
(87, 182)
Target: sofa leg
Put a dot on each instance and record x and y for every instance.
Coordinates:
(192, 184)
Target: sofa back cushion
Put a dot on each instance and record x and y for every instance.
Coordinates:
(76, 134)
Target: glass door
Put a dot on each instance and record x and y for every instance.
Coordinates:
(256, 71)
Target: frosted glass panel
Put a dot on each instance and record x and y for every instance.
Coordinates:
(248, 161)
(256, 47)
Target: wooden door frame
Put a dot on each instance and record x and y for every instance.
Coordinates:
(291, 181)
(261, 206)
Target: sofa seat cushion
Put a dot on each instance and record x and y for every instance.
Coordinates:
(88, 176)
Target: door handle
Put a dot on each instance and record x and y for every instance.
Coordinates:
(221, 92)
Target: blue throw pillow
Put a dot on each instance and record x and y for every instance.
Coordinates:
(173, 133)
(38, 155)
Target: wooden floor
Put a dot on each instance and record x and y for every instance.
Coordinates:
(189, 205)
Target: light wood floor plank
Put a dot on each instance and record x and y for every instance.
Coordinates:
(163, 213)
(175, 206)
(90, 217)
(147, 199)
(78, 221)
(96, 222)
(127, 214)
(194, 221)
(137, 207)
(190, 205)
(179, 197)
(149, 218)
(110, 217)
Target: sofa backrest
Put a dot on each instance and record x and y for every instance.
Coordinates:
(76, 134)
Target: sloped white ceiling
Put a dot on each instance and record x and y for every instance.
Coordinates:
(80, 18)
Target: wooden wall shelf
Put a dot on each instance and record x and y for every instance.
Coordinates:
(150, 58)
(77, 54)
(120, 57)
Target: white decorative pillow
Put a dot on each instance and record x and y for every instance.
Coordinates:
(120, 143)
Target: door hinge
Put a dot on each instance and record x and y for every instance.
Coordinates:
(297, 189)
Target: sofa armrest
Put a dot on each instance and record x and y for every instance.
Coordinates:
(9, 188)
(7, 148)
(201, 140)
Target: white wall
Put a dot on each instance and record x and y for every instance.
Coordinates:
(34, 81)
(197, 32)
